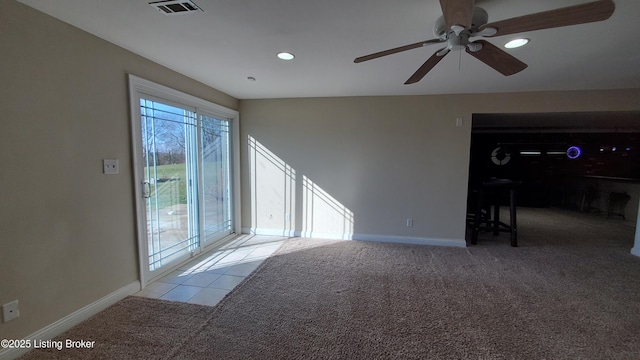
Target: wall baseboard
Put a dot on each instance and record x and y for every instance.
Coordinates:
(324, 235)
(270, 232)
(363, 237)
(411, 240)
(52, 330)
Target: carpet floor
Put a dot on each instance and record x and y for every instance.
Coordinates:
(571, 290)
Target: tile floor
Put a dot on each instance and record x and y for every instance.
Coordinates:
(210, 277)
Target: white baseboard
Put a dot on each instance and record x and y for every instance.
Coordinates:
(410, 240)
(635, 250)
(270, 232)
(52, 330)
(324, 235)
(363, 237)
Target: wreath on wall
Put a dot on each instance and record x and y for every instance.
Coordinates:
(500, 156)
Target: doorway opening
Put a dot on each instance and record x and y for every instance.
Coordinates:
(584, 162)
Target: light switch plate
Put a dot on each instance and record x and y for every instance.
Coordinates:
(110, 166)
(10, 311)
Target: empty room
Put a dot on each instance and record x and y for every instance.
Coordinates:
(209, 179)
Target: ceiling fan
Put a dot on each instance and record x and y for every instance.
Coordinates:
(462, 20)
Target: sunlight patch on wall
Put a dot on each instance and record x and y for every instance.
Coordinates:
(322, 215)
(275, 208)
(272, 192)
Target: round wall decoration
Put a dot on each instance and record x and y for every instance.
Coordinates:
(573, 152)
(500, 156)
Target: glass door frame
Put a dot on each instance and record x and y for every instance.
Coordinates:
(189, 127)
(141, 88)
(206, 239)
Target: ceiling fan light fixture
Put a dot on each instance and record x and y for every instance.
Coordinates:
(516, 43)
(462, 20)
(285, 56)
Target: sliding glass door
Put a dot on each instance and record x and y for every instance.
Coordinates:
(216, 177)
(183, 167)
(170, 198)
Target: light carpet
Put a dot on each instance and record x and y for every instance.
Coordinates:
(570, 291)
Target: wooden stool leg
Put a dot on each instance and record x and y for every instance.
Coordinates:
(477, 218)
(496, 214)
(513, 225)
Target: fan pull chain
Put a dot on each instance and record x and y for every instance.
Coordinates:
(460, 61)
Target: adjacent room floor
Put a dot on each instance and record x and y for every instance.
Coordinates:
(210, 277)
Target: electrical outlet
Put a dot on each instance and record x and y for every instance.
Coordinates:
(10, 311)
(409, 222)
(110, 166)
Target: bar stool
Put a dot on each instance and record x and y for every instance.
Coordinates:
(617, 201)
(489, 195)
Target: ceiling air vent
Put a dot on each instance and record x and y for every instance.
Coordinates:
(170, 7)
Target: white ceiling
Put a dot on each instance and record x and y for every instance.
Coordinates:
(232, 40)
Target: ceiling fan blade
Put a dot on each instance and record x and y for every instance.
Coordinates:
(572, 15)
(397, 50)
(426, 67)
(497, 58)
(457, 12)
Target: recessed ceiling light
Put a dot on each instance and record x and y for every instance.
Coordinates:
(516, 43)
(285, 56)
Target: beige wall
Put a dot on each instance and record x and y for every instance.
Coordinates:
(383, 159)
(345, 165)
(67, 232)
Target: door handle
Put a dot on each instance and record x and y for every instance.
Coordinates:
(146, 190)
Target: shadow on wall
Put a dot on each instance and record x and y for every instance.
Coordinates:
(283, 205)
